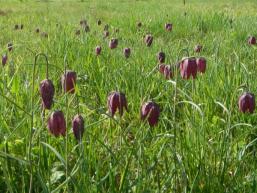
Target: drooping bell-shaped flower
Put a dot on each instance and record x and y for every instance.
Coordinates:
(161, 57)
(148, 40)
(78, 127)
(127, 52)
(83, 22)
(161, 68)
(198, 48)
(116, 100)
(57, 124)
(113, 43)
(69, 81)
(168, 27)
(201, 64)
(251, 40)
(37, 30)
(246, 102)
(98, 50)
(16, 27)
(4, 59)
(188, 67)
(167, 72)
(150, 111)
(47, 93)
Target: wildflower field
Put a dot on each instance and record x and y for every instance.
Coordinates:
(136, 96)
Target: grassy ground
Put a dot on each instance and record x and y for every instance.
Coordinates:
(202, 142)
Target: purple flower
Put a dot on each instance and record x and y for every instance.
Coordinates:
(246, 103)
(127, 52)
(69, 81)
(161, 57)
(168, 27)
(148, 40)
(47, 93)
(4, 59)
(139, 24)
(150, 111)
(188, 67)
(98, 50)
(252, 40)
(117, 100)
(201, 64)
(198, 48)
(99, 22)
(57, 124)
(113, 43)
(78, 127)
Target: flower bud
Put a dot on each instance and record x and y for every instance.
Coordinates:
(167, 72)
(106, 34)
(99, 22)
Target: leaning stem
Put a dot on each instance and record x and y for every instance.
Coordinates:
(32, 116)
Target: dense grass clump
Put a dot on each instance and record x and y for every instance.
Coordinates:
(128, 96)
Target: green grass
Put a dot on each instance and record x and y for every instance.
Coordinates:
(202, 142)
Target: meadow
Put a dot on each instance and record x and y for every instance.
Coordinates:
(195, 138)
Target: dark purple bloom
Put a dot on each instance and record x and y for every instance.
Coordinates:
(57, 124)
(69, 81)
(37, 30)
(198, 48)
(10, 46)
(117, 100)
(150, 111)
(22, 26)
(201, 64)
(161, 57)
(113, 43)
(167, 72)
(188, 67)
(127, 52)
(246, 102)
(4, 59)
(168, 26)
(47, 93)
(252, 40)
(78, 127)
(148, 40)
(98, 50)
(161, 68)
(16, 26)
